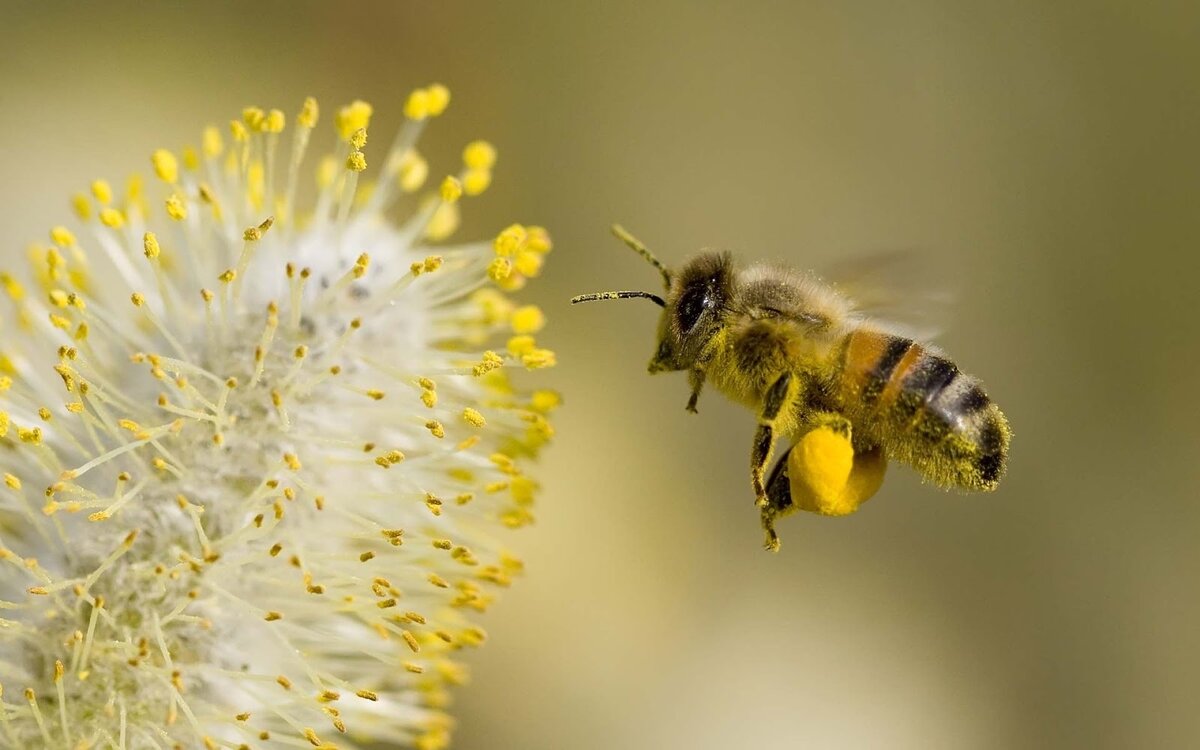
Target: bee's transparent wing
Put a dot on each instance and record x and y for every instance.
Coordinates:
(907, 292)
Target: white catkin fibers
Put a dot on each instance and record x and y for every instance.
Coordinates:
(257, 455)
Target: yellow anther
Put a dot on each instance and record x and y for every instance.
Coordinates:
(138, 299)
(166, 166)
(376, 395)
(437, 99)
(431, 263)
(490, 361)
(111, 217)
(12, 481)
(435, 428)
(429, 398)
(417, 105)
(254, 117)
(62, 237)
(238, 131)
(414, 170)
(228, 276)
(528, 319)
(529, 263)
(82, 206)
(59, 298)
(211, 142)
(521, 345)
(356, 162)
(475, 181)
(499, 269)
(510, 240)
(444, 222)
(309, 112)
(327, 172)
(352, 117)
(190, 159)
(33, 436)
(473, 417)
(361, 265)
(102, 191)
(538, 239)
(176, 208)
(451, 189)
(275, 122)
(544, 401)
(358, 139)
(208, 296)
(292, 461)
(479, 155)
(538, 359)
(150, 245)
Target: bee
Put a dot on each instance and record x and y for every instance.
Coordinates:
(798, 353)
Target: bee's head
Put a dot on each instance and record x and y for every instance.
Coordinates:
(695, 298)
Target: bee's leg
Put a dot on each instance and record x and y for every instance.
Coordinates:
(780, 397)
(696, 379)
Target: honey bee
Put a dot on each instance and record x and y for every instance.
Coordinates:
(798, 353)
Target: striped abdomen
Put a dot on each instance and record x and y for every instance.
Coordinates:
(922, 410)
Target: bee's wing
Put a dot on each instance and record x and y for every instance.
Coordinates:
(904, 291)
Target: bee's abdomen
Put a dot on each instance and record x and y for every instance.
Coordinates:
(923, 409)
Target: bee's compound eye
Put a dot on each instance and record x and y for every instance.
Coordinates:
(691, 306)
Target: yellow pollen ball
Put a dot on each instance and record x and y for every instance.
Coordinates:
(417, 105)
(253, 117)
(538, 240)
(444, 222)
(356, 162)
(451, 189)
(102, 191)
(308, 113)
(238, 131)
(510, 240)
(191, 160)
(438, 99)
(528, 319)
(211, 142)
(275, 121)
(544, 401)
(176, 208)
(326, 172)
(499, 269)
(475, 181)
(413, 172)
(150, 245)
(529, 263)
(352, 117)
(359, 138)
(111, 217)
(166, 167)
(82, 206)
(521, 345)
(62, 237)
(473, 417)
(479, 155)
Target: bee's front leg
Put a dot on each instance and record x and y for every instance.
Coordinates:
(696, 379)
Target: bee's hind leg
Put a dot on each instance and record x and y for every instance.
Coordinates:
(780, 399)
(779, 500)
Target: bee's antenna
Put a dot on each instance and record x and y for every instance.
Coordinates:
(641, 250)
(618, 295)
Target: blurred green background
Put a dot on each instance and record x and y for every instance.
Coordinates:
(1046, 154)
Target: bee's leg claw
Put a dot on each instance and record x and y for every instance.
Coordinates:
(768, 522)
